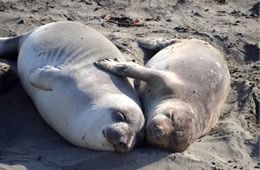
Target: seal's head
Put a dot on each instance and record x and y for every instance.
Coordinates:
(112, 128)
(124, 132)
(172, 126)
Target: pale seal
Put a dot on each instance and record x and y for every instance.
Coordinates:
(182, 90)
(88, 106)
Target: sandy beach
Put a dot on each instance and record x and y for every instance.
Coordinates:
(27, 142)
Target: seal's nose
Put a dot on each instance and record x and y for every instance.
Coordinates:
(158, 132)
(120, 137)
(122, 143)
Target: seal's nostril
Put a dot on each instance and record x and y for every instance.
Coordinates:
(158, 132)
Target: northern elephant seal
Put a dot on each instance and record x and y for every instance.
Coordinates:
(86, 105)
(183, 89)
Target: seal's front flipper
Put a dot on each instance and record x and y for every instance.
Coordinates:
(44, 77)
(130, 69)
(156, 44)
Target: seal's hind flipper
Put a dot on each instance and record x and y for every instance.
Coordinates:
(155, 44)
(44, 77)
(9, 46)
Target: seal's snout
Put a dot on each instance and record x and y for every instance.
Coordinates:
(170, 131)
(157, 132)
(120, 136)
(159, 126)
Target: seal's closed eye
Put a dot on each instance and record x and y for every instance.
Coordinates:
(119, 117)
(170, 115)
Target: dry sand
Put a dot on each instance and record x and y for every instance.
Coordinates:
(27, 142)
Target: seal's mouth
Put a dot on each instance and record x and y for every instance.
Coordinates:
(122, 143)
(122, 147)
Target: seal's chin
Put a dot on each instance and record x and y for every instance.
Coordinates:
(120, 136)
